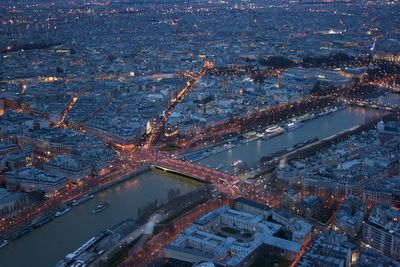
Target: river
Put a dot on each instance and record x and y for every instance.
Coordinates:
(48, 244)
(45, 246)
(320, 127)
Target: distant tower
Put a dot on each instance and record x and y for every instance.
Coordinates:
(380, 126)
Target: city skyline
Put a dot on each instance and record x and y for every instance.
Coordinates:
(199, 133)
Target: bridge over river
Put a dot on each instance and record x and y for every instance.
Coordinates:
(222, 181)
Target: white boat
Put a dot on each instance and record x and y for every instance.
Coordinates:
(306, 117)
(273, 131)
(85, 198)
(236, 163)
(293, 125)
(250, 137)
(101, 207)
(4, 243)
(324, 112)
(62, 212)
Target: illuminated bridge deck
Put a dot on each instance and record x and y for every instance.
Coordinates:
(194, 171)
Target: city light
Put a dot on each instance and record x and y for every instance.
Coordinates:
(202, 133)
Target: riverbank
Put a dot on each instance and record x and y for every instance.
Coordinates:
(106, 248)
(27, 226)
(127, 200)
(228, 144)
(310, 149)
(321, 127)
(160, 218)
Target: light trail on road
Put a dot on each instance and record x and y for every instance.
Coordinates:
(156, 130)
(66, 111)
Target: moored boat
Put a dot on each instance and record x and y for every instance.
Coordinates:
(20, 234)
(4, 243)
(62, 211)
(101, 207)
(39, 223)
(249, 137)
(236, 163)
(293, 125)
(222, 148)
(85, 198)
(273, 131)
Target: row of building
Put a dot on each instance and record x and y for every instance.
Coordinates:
(235, 236)
(348, 167)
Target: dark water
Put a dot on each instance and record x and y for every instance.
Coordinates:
(45, 246)
(48, 244)
(320, 127)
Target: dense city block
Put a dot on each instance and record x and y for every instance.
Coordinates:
(199, 133)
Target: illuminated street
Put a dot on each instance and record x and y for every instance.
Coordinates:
(199, 133)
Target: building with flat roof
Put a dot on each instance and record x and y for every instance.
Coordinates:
(10, 202)
(252, 207)
(59, 140)
(30, 179)
(372, 258)
(81, 163)
(331, 249)
(72, 168)
(300, 230)
(17, 159)
(291, 197)
(193, 245)
(231, 238)
(382, 230)
(350, 215)
(311, 205)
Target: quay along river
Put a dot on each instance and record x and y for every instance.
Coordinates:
(320, 127)
(48, 244)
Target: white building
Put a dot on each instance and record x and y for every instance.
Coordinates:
(207, 240)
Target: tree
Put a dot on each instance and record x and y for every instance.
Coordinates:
(276, 62)
(316, 90)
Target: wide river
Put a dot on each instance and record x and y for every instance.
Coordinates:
(321, 127)
(48, 244)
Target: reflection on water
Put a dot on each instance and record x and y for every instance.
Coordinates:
(48, 244)
(131, 184)
(321, 127)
